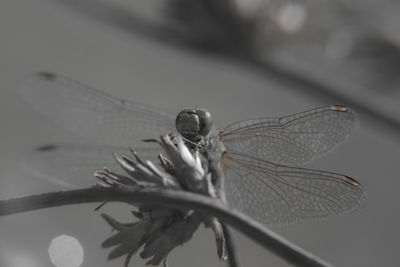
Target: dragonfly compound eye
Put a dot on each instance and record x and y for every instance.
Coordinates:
(188, 124)
(206, 121)
(194, 124)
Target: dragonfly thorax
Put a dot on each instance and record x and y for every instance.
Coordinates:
(194, 124)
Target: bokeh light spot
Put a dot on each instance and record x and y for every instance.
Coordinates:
(66, 251)
(291, 17)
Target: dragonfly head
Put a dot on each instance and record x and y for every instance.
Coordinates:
(194, 123)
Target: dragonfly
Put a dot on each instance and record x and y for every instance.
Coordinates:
(261, 158)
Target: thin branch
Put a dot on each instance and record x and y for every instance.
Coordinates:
(300, 77)
(170, 198)
(230, 247)
(321, 84)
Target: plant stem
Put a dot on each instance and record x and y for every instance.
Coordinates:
(230, 247)
(169, 198)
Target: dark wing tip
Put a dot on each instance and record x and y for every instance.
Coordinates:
(46, 148)
(48, 76)
(339, 108)
(351, 181)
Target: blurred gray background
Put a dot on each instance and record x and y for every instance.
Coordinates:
(298, 55)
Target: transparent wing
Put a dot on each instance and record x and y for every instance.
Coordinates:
(74, 165)
(279, 195)
(91, 113)
(292, 140)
